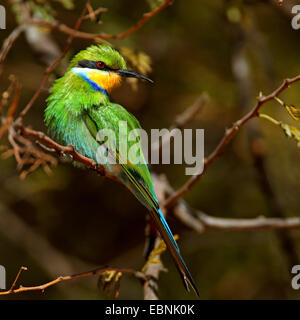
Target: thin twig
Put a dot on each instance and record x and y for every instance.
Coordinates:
(14, 87)
(94, 14)
(17, 277)
(8, 43)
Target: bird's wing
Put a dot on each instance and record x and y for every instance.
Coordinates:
(137, 178)
(108, 117)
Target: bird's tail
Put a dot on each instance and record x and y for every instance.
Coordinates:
(167, 236)
(149, 200)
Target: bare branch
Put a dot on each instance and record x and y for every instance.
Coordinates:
(17, 277)
(152, 272)
(259, 223)
(200, 221)
(14, 88)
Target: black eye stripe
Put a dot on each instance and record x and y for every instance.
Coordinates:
(94, 65)
(86, 64)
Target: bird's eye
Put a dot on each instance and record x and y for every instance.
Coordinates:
(100, 65)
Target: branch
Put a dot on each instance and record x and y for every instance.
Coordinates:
(35, 156)
(136, 274)
(15, 89)
(228, 136)
(60, 149)
(200, 221)
(259, 223)
(8, 43)
(152, 271)
(94, 36)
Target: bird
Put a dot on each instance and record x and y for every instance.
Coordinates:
(79, 106)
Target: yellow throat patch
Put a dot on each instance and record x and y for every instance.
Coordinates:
(104, 79)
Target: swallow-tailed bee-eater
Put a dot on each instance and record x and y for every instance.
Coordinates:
(79, 107)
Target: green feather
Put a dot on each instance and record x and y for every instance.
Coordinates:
(76, 111)
(109, 117)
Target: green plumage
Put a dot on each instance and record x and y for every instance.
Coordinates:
(77, 109)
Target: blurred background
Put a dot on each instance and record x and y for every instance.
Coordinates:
(72, 220)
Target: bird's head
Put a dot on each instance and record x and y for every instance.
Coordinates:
(102, 67)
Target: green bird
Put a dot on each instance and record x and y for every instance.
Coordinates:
(79, 106)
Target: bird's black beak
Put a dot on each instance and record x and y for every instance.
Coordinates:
(132, 74)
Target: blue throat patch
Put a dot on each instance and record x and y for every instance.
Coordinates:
(94, 85)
